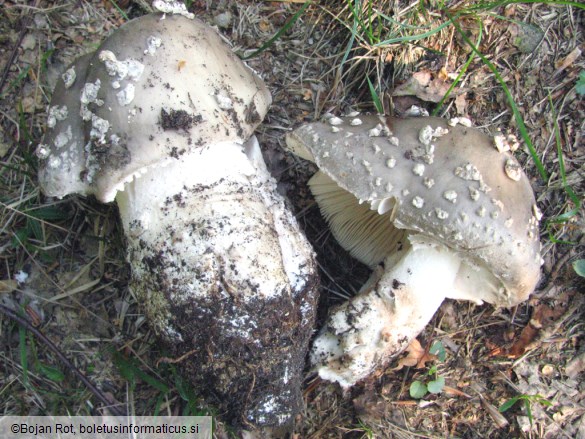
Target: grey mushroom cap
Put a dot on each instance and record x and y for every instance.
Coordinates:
(447, 183)
(62, 154)
(120, 117)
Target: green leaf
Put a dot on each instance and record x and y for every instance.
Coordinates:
(437, 385)
(152, 381)
(130, 370)
(528, 410)
(51, 372)
(159, 402)
(20, 237)
(508, 404)
(47, 213)
(187, 393)
(439, 350)
(580, 87)
(579, 267)
(457, 80)
(542, 400)
(120, 10)
(484, 6)
(34, 228)
(182, 387)
(418, 390)
(126, 369)
(23, 354)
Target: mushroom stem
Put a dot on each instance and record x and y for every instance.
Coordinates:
(224, 275)
(140, 200)
(388, 313)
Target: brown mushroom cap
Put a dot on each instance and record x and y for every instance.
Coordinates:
(446, 183)
(154, 90)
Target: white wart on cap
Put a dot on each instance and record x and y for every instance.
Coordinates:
(398, 191)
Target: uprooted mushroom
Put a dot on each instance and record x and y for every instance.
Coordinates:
(161, 119)
(445, 213)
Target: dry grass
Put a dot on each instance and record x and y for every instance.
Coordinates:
(73, 250)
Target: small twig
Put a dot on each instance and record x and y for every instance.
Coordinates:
(11, 314)
(23, 30)
(244, 420)
(560, 264)
(176, 360)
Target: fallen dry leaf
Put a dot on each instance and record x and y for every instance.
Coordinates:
(423, 86)
(542, 316)
(371, 405)
(494, 413)
(8, 285)
(575, 366)
(452, 391)
(567, 60)
(461, 103)
(417, 356)
(443, 74)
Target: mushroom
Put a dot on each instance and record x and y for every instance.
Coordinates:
(436, 207)
(161, 119)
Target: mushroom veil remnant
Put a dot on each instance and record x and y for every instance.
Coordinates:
(438, 206)
(161, 119)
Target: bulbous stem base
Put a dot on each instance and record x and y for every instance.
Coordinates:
(226, 279)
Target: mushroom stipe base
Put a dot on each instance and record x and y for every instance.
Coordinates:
(381, 321)
(224, 275)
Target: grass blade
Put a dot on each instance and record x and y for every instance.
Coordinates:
(568, 189)
(119, 9)
(496, 4)
(375, 97)
(563, 218)
(356, 18)
(22, 332)
(422, 36)
(517, 116)
(508, 404)
(460, 75)
(130, 369)
(277, 35)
